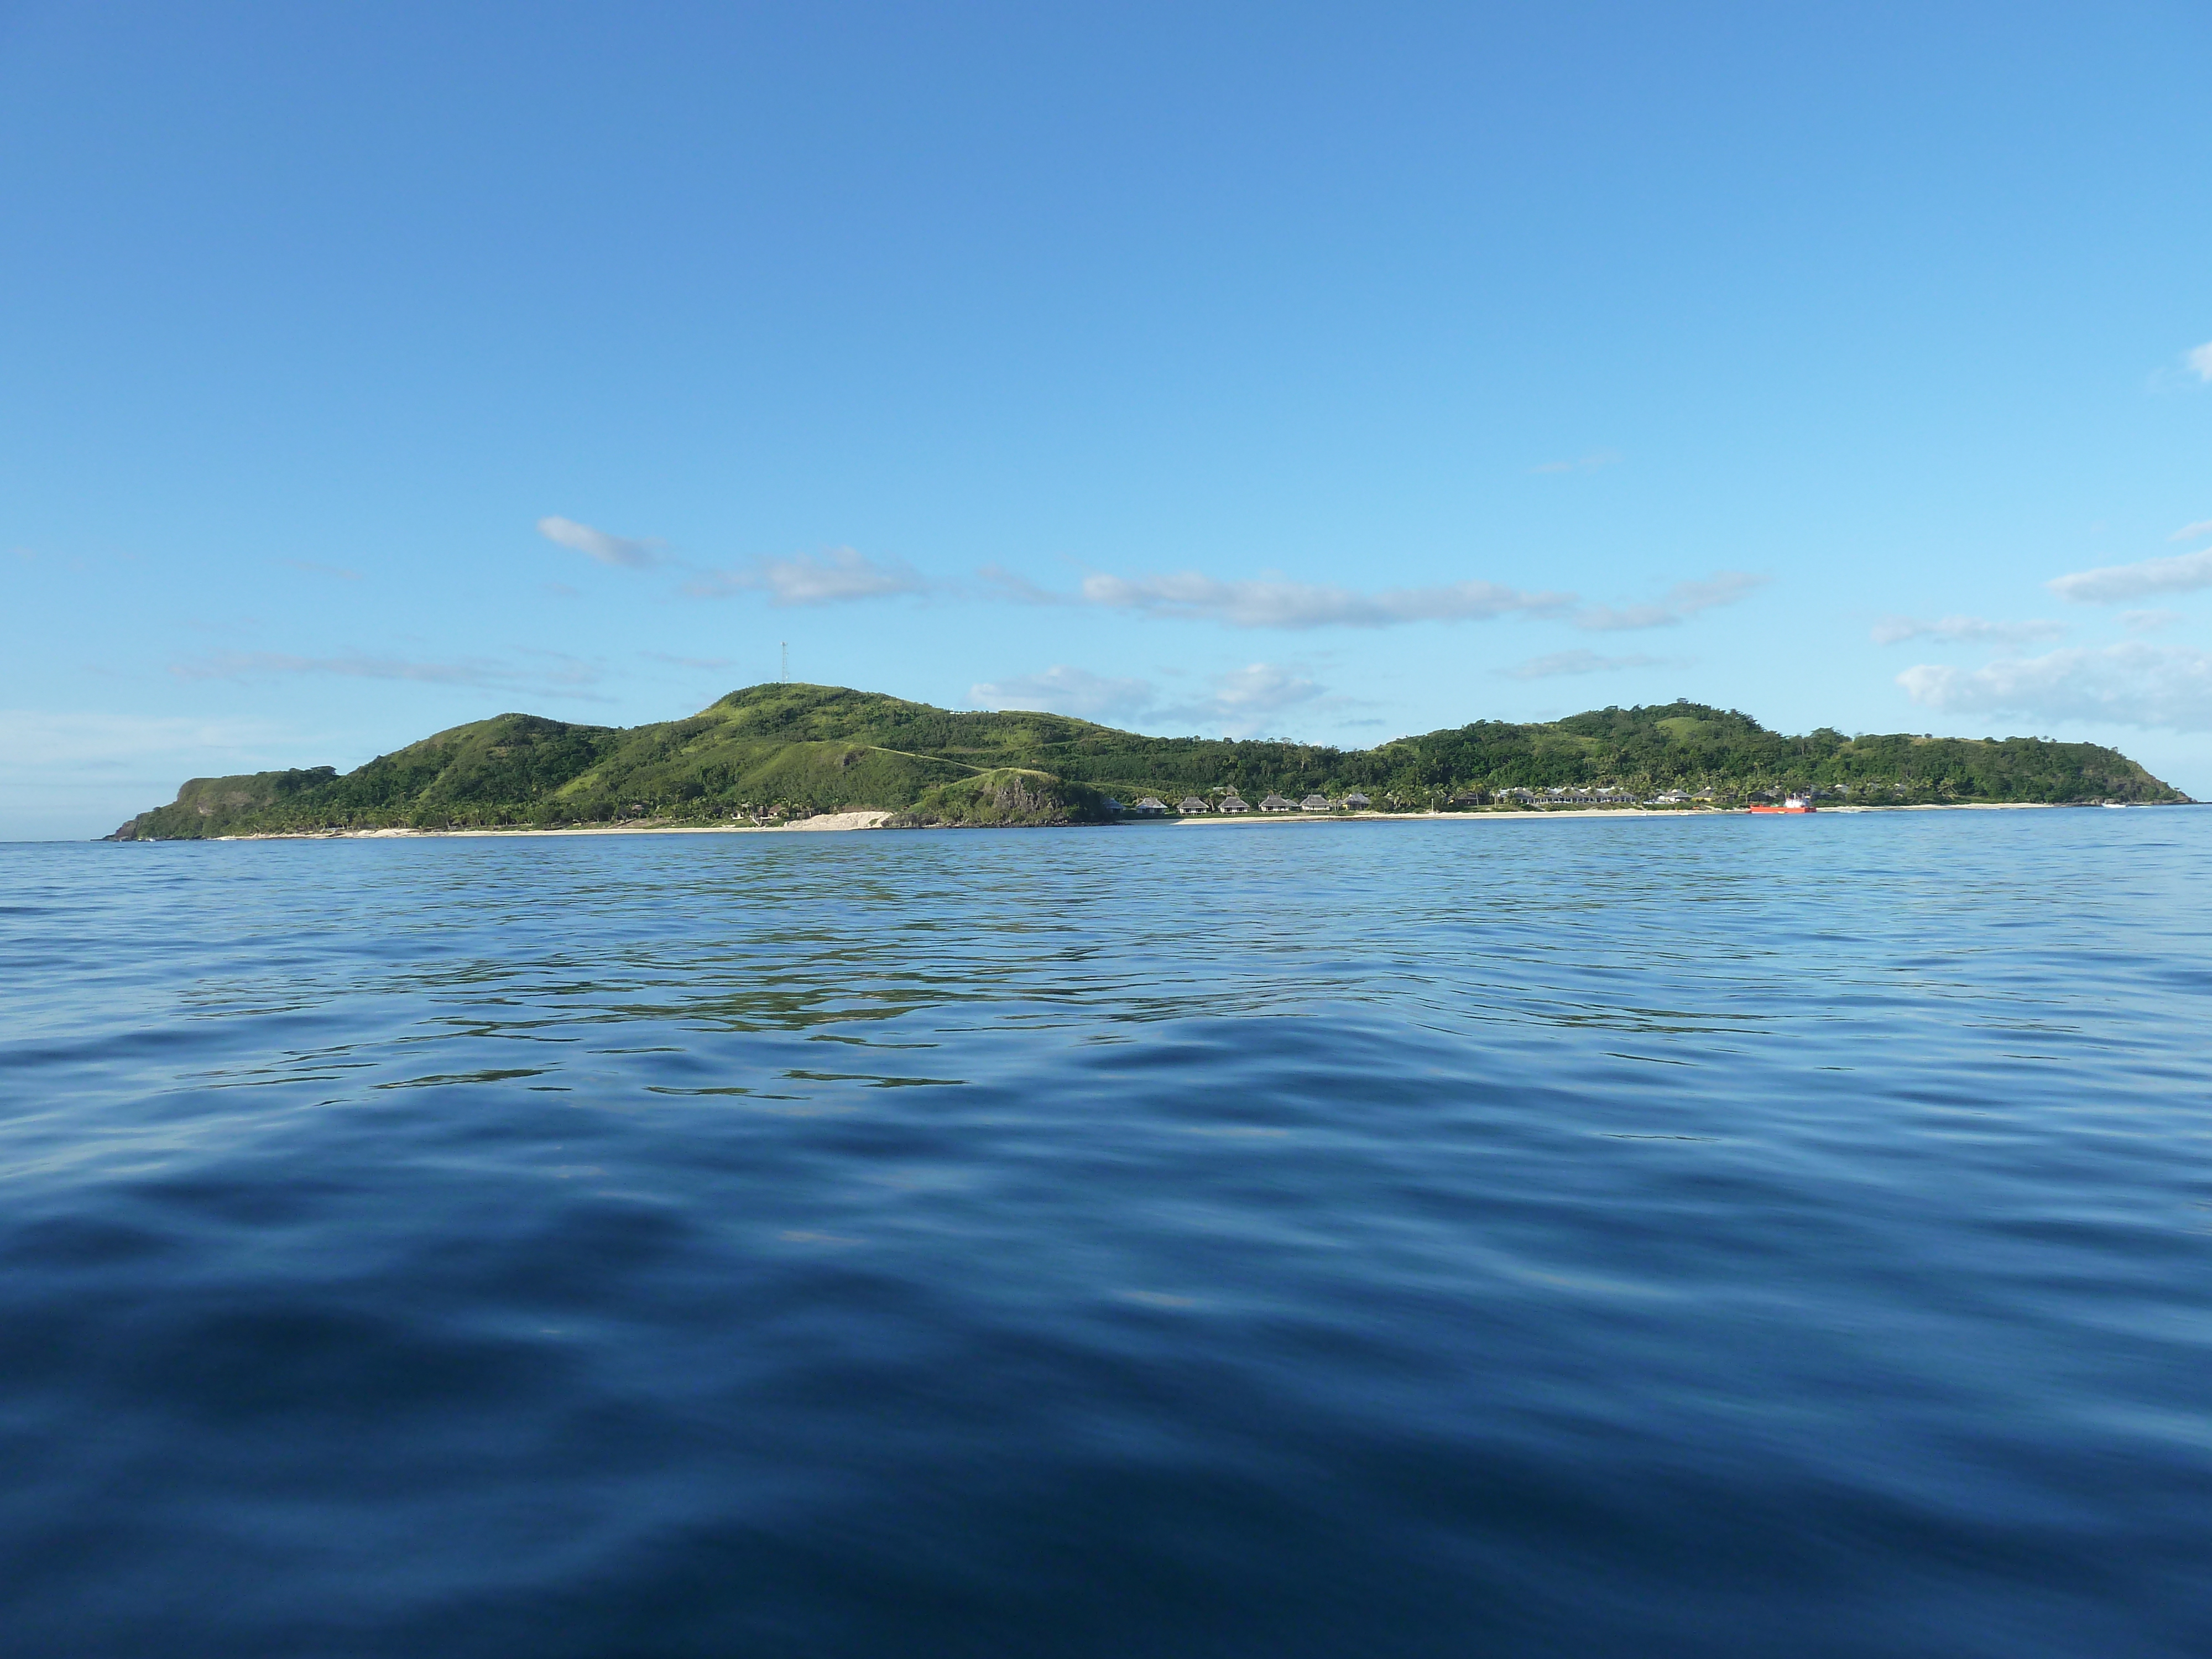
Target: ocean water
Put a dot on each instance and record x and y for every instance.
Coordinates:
(1687, 1236)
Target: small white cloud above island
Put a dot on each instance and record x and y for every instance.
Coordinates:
(628, 552)
(2180, 572)
(836, 576)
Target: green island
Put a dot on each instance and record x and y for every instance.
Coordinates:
(781, 753)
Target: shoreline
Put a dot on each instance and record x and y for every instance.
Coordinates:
(821, 823)
(843, 823)
(1591, 812)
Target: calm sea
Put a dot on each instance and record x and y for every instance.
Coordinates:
(1694, 1236)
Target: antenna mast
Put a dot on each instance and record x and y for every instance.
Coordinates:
(785, 670)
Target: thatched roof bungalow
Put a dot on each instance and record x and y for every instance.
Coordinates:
(1276, 804)
(1229, 803)
(1357, 802)
(1192, 804)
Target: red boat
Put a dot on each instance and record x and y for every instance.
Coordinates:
(1789, 804)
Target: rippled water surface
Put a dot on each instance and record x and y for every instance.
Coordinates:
(1590, 1238)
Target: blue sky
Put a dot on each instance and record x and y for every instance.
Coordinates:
(1332, 372)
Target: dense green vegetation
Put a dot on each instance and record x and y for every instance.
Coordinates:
(782, 751)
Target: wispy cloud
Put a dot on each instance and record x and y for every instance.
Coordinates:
(76, 774)
(1244, 702)
(2199, 359)
(1241, 702)
(631, 552)
(1062, 689)
(315, 569)
(2132, 683)
(2189, 532)
(1581, 662)
(72, 742)
(1589, 462)
(1006, 585)
(1680, 603)
(1893, 630)
(1278, 603)
(2147, 622)
(564, 676)
(830, 577)
(2181, 573)
(1273, 603)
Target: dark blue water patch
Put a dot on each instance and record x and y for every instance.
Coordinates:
(1587, 1237)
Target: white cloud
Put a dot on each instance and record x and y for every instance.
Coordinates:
(74, 774)
(839, 575)
(1244, 701)
(1273, 603)
(1061, 689)
(74, 742)
(2133, 684)
(2183, 573)
(1019, 589)
(629, 552)
(2199, 359)
(78, 775)
(2189, 532)
(1241, 703)
(568, 676)
(1891, 630)
(1579, 662)
(2147, 622)
(1680, 602)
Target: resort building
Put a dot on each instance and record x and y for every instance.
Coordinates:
(1276, 804)
(1314, 804)
(1192, 804)
(1356, 802)
(1231, 804)
(1150, 806)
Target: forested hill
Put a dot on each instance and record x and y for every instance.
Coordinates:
(789, 750)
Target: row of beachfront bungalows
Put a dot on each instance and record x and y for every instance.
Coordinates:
(1153, 806)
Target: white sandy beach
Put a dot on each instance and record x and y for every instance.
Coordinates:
(870, 819)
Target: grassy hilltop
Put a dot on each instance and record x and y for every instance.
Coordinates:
(790, 751)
